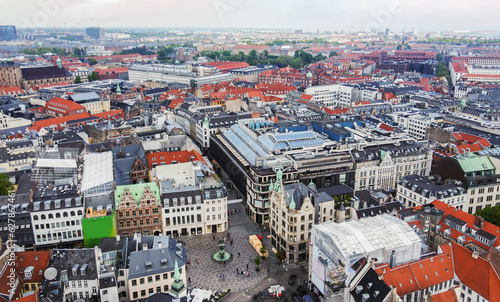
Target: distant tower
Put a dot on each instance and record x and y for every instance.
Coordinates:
(118, 89)
(59, 63)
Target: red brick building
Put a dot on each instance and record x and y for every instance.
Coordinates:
(285, 76)
(58, 107)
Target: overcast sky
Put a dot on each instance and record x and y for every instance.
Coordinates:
(283, 14)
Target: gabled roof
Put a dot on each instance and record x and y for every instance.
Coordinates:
(447, 296)
(57, 121)
(469, 218)
(418, 275)
(39, 260)
(38, 73)
(64, 104)
(476, 273)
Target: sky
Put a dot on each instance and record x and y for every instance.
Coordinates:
(309, 15)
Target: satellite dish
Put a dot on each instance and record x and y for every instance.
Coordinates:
(50, 273)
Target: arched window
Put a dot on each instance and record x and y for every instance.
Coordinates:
(58, 215)
(42, 217)
(35, 217)
(80, 212)
(72, 213)
(65, 214)
(51, 216)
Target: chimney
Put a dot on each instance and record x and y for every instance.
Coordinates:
(475, 254)
(117, 238)
(372, 263)
(392, 262)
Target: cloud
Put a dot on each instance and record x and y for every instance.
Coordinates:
(306, 14)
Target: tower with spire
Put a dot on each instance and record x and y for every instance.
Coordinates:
(178, 288)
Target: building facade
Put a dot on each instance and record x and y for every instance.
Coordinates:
(138, 209)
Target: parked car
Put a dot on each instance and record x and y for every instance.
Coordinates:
(301, 290)
(292, 279)
(296, 297)
(308, 298)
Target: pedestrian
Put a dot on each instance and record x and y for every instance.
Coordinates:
(224, 262)
(214, 237)
(220, 276)
(247, 266)
(237, 272)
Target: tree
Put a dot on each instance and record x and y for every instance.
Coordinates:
(257, 260)
(92, 61)
(78, 80)
(297, 63)
(263, 250)
(439, 57)
(333, 54)
(279, 255)
(94, 76)
(253, 55)
(226, 53)
(5, 184)
(490, 214)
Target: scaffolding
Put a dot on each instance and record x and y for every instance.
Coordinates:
(97, 174)
(55, 171)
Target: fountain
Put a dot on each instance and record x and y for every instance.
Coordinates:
(221, 255)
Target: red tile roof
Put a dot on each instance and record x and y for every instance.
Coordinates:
(38, 259)
(10, 90)
(57, 121)
(478, 274)
(386, 127)
(335, 111)
(469, 218)
(418, 275)
(469, 147)
(64, 104)
(118, 113)
(168, 157)
(447, 296)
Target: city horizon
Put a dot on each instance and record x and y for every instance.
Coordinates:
(420, 15)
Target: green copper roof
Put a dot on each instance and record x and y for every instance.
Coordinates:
(118, 89)
(292, 205)
(382, 154)
(475, 163)
(279, 175)
(137, 191)
(177, 274)
(271, 186)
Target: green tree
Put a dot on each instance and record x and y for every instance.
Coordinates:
(279, 255)
(5, 184)
(92, 61)
(439, 57)
(162, 54)
(263, 250)
(94, 76)
(442, 71)
(297, 63)
(78, 80)
(226, 53)
(490, 214)
(170, 49)
(333, 54)
(257, 261)
(252, 55)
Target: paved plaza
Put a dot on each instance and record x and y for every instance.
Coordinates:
(207, 273)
